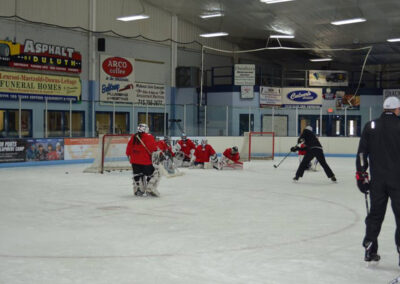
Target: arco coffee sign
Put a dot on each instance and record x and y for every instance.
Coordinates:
(117, 79)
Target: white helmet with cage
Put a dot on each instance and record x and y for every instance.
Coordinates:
(143, 128)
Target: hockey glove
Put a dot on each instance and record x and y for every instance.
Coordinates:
(294, 149)
(362, 181)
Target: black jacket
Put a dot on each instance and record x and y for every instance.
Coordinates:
(309, 139)
(380, 146)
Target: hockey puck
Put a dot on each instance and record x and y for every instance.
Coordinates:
(66, 173)
(275, 166)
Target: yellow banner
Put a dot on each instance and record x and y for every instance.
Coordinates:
(39, 84)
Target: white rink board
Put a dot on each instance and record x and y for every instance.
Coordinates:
(208, 226)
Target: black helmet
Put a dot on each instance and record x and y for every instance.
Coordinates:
(234, 149)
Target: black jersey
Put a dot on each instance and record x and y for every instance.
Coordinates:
(310, 139)
(380, 147)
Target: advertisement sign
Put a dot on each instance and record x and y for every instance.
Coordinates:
(39, 86)
(390, 93)
(301, 97)
(245, 74)
(12, 150)
(246, 92)
(327, 78)
(46, 149)
(348, 101)
(117, 79)
(150, 94)
(40, 56)
(80, 148)
(270, 96)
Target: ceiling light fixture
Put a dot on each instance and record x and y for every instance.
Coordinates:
(281, 36)
(211, 15)
(320, 59)
(214, 34)
(348, 21)
(393, 39)
(274, 1)
(132, 18)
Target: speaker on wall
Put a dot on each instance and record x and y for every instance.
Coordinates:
(187, 77)
(101, 44)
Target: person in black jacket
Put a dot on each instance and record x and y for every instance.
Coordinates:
(379, 149)
(314, 149)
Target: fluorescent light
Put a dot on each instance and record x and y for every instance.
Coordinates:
(393, 39)
(274, 1)
(320, 59)
(214, 34)
(281, 36)
(132, 18)
(212, 15)
(348, 21)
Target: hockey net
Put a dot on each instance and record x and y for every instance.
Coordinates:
(111, 154)
(258, 146)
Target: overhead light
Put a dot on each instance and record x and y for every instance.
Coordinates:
(211, 15)
(393, 39)
(281, 36)
(132, 18)
(274, 1)
(214, 34)
(348, 21)
(320, 59)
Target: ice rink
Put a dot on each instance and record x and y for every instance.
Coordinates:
(59, 225)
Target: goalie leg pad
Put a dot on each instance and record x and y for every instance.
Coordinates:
(152, 183)
(138, 188)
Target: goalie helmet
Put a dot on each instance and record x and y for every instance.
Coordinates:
(204, 142)
(183, 136)
(234, 149)
(143, 128)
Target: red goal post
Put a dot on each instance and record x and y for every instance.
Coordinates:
(258, 146)
(111, 154)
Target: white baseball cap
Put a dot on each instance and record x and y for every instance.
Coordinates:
(391, 103)
(309, 127)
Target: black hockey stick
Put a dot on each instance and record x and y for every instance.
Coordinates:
(287, 155)
(366, 202)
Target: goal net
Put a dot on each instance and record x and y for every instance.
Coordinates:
(258, 146)
(111, 154)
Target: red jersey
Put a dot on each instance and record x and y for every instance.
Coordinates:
(137, 153)
(228, 153)
(164, 147)
(186, 146)
(302, 151)
(203, 154)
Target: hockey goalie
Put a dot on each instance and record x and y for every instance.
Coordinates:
(184, 151)
(166, 158)
(205, 157)
(139, 150)
(230, 159)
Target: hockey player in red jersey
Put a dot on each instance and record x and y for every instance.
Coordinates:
(139, 151)
(184, 150)
(230, 159)
(203, 153)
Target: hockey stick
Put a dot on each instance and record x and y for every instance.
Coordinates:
(362, 163)
(287, 155)
(366, 202)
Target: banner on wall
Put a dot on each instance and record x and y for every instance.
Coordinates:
(348, 101)
(117, 79)
(245, 75)
(270, 96)
(301, 97)
(246, 92)
(46, 149)
(12, 150)
(390, 93)
(40, 56)
(327, 78)
(150, 94)
(80, 148)
(27, 86)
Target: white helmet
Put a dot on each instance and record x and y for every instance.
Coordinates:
(204, 141)
(143, 128)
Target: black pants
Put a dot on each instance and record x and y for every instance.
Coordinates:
(310, 154)
(140, 171)
(380, 193)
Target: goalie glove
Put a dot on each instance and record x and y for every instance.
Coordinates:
(362, 181)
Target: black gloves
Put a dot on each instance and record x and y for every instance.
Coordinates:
(362, 181)
(294, 149)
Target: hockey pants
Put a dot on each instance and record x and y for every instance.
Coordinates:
(319, 155)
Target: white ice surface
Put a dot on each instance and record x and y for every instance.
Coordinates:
(208, 226)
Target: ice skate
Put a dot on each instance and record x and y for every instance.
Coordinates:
(333, 178)
(296, 179)
(371, 254)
